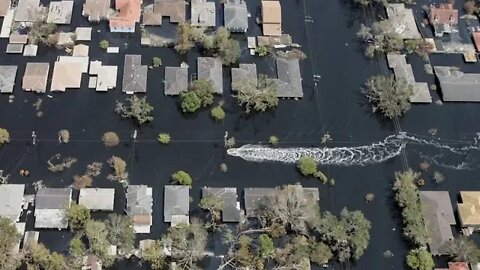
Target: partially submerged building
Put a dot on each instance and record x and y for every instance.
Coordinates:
(96, 10)
(438, 216)
(7, 78)
(11, 201)
(67, 72)
(231, 211)
(173, 9)
(97, 198)
(176, 80)
(128, 15)
(104, 77)
(139, 207)
(403, 70)
(134, 75)
(289, 82)
(443, 18)
(210, 69)
(403, 21)
(35, 77)
(83, 33)
(51, 206)
(469, 210)
(271, 18)
(60, 12)
(458, 86)
(235, 15)
(176, 204)
(203, 13)
(29, 11)
(243, 74)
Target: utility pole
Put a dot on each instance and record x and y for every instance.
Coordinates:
(225, 138)
(34, 138)
(134, 136)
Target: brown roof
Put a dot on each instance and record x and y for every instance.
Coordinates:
(66, 75)
(142, 219)
(175, 9)
(4, 7)
(130, 11)
(469, 209)
(271, 12)
(476, 39)
(444, 14)
(96, 10)
(35, 77)
(458, 266)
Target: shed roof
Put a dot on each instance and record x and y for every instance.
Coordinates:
(231, 206)
(177, 202)
(203, 13)
(469, 208)
(458, 86)
(30, 50)
(236, 15)
(289, 78)
(11, 201)
(14, 48)
(35, 77)
(97, 198)
(7, 78)
(244, 72)
(134, 75)
(438, 216)
(60, 12)
(210, 68)
(83, 33)
(30, 237)
(176, 80)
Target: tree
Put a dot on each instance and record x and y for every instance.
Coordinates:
(307, 166)
(182, 178)
(119, 167)
(187, 36)
(154, 255)
(381, 38)
(214, 205)
(4, 136)
(78, 216)
(347, 235)
(199, 94)
(190, 101)
(320, 253)
(187, 244)
(8, 239)
(267, 248)
(40, 31)
(76, 251)
(164, 138)
(273, 140)
(262, 50)
(258, 96)
(223, 46)
(97, 235)
(217, 113)
(463, 249)
(104, 44)
(120, 232)
(82, 181)
(156, 62)
(110, 139)
(420, 259)
(389, 96)
(39, 257)
(137, 108)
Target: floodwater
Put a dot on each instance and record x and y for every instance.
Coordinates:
(332, 104)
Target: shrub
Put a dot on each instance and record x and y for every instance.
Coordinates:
(420, 259)
(190, 101)
(119, 167)
(110, 139)
(82, 181)
(136, 108)
(262, 50)
(4, 136)
(273, 140)
(156, 62)
(78, 215)
(104, 44)
(64, 136)
(223, 167)
(217, 113)
(164, 138)
(182, 178)
(307, 166)
(438, 177)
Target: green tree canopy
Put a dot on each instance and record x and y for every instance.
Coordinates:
(154, 255)
(379, 39)
(78, 215)
(8, 239)
(212, 204)
(267, 249)
(463, 249)
(136, 108)
(420, 259)
(217, 113)
(182, 178)
(307, 166)
(120, 232)
(257, 96)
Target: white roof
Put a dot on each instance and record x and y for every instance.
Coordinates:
(11, 200)
(83, 33)
(51, 218)
(97, 198)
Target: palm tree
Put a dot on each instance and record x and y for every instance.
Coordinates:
(463, 249)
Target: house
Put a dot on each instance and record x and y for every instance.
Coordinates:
(11, 201)
(134, 75)
(203, 13)
(174, 9)
(271, 18)
(176, 204)
(4, 7)
(244, 73)
(29, 11)
(60, 12)
(210, 69)
(469, 210)
(443, 18)
(129, 14)
(97, 198)
(96, 10)
(402, 70)
(139, 207)
(176, 80)
(458, 86)
(231, 206)
(91, 262)
(289, 82)
(35, 77)
(403, 21)
(106, 76)
(254, 197)
(235, 15)
(7, 78)
(51, 206)
(438, 216)
(83, 33)
(67, 74)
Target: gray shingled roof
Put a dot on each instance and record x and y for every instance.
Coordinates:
(53, 198)
(242, 73)
(230, 211)
(210, 68)
(134, 75)
(289, 83)
(176, 80)
(438, 216)
(177, 202)
(139, 201)
(11, 200)
(236, 15)
(458, 86)
(7, 78)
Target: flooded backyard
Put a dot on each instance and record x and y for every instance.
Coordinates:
(333, 104)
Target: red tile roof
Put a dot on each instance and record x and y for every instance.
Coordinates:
(129, 13)
(444, 14)
(458, 266)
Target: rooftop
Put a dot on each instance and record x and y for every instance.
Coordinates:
(97, 198)
(176, 80)
(50, 207)
(35, 77)
(403, 21)
(231, 207)
(7, 78)
(134, 75)
(4, 7)
(236, 15)
(96, 10)
(11, 201)
(66, 75)
(438, 216)
(129, 14)
(469, 208)
(60, 12)
(271, 18)
(443, 14)
(210, 68)
(458, 86)
(176, 203)
(91, 262)
(29, 11)
(289, 84)
(203, 13)
(139, 207)
(83, 33)
(174, 9)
